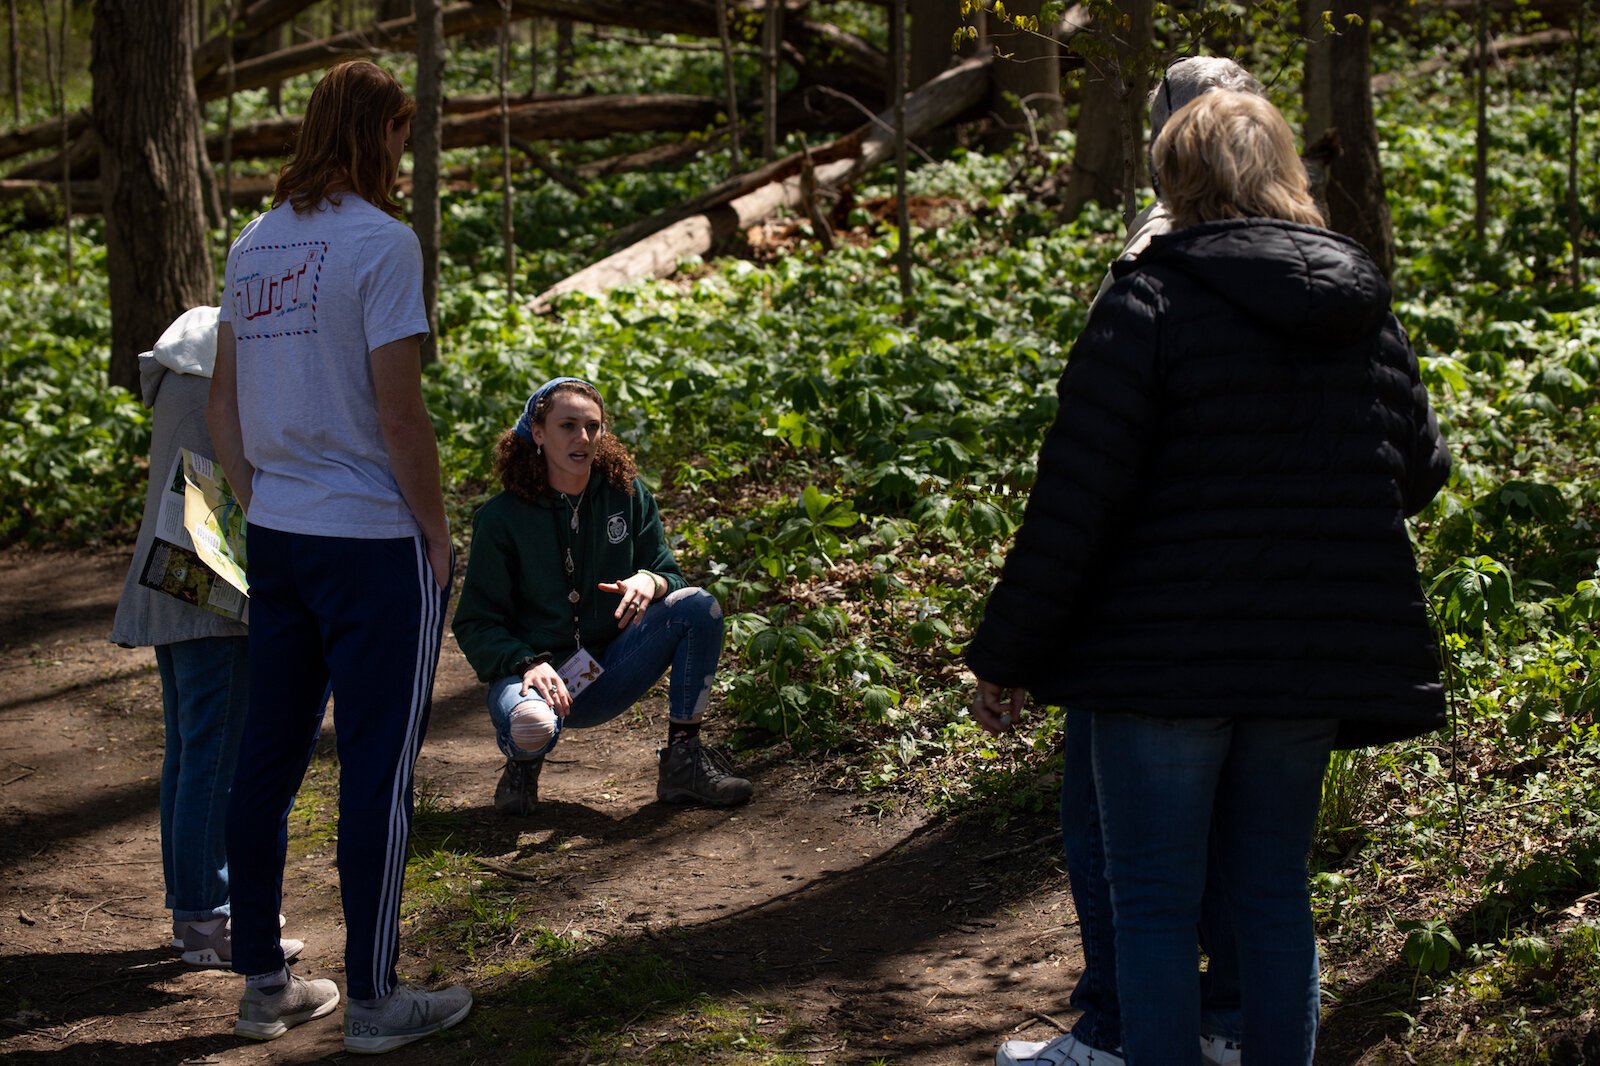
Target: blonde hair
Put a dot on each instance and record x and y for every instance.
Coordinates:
(1229, 154)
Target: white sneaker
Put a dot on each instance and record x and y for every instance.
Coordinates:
(1220, 1051)
(1064, 1050)
(402, 1016)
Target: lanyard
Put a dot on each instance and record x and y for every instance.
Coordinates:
(566, 530)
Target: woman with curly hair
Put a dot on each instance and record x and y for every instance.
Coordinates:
(573, 606)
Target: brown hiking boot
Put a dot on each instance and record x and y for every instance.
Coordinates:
(518, 789)
(690, 772)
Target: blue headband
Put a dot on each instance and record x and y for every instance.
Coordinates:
(524, 426)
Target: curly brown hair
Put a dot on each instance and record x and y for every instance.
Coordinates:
(522, 470)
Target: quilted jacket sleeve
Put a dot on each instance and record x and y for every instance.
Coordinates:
(1088, 466)
(1427, 458)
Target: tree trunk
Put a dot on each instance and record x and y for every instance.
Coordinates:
(392, 9)
(771, 49)
(729, 85)
(1574, 213)
(1030, 80)
(146, 118)
(1480, 162)
(933, 29)
(902, 209)
(1338, 96)
(563, 58)
(507, 230)
(425, 160)
(66, 140)
(16, 65)
(1109, 158)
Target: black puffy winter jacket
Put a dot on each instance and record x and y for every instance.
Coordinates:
(1218, 525)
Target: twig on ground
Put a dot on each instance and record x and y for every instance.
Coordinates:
(27, 771)
(185, 1021)
(102, 903)
(121, 862)
(1043, 1017)
(507, 871)
(1021, 847)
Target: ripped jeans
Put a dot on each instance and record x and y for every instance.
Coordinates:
(683, 630)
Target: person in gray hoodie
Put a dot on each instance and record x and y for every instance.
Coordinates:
(200, 656)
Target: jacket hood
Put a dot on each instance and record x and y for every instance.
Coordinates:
(1294, 278)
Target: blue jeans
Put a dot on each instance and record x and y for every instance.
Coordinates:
(204, 696)
(683, 630)
(1099, 1024)
(1164, 786)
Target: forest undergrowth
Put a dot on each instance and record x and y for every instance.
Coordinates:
(845, 471)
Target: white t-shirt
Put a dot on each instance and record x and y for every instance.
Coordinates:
(309, 297)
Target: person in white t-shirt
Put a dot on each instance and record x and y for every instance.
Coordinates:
(317, 414)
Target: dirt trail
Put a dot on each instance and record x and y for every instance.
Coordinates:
(888, 936)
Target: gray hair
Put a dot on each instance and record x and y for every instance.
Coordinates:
(1192, 77)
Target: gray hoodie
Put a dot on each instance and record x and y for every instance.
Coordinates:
(145, 616)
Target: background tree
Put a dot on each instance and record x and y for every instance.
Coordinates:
(1338, 98)
(1108, 162)
(1029, 80)
(147, 121)
(425, 160)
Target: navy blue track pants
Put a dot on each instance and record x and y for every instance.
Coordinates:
(366, 616)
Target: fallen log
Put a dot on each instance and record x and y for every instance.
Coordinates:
(255, 20)
(937, 102)
(564, 118)
(396, 35)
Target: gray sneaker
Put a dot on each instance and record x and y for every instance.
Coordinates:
(268, 1015)
(690, 772)
(216, 948)
(518, 789)
(402, 1016)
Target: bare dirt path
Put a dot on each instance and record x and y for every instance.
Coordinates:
(885, 936)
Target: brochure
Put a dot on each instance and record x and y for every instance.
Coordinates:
(198, 552)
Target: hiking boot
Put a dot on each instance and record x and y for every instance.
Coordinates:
(402, 1016)
(216, 947)
(690, 772)
(268, 1015)
(1064, 1050)
(518, 789)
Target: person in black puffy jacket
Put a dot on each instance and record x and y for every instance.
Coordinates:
(1214, 562)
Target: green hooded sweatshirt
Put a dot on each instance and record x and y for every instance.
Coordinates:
(514, 601)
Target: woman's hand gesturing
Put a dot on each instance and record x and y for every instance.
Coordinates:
(542, 680)
(636, 592)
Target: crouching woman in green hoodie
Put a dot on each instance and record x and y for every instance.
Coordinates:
(573, 606)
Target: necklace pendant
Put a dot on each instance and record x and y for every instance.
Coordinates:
(574, 521)
(572, 597)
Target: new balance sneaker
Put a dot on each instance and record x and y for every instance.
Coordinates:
(1064, 1050)
(268, 1015)
(518, 789)
(690, 772)
(1221, 1051)
(402, 1016)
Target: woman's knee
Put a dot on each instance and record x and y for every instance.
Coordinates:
(533, 727)
(695, 604)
